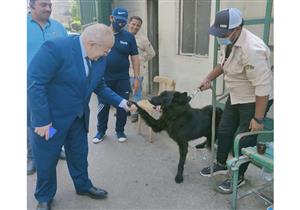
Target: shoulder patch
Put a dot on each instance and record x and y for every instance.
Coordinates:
(248, 67)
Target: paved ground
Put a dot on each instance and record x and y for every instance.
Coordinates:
(140, 175)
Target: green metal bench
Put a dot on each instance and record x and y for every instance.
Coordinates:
(250, 154)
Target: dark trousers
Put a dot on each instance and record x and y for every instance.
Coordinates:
(46, 155)
(235, 117)
(122, 88)
(29, 150)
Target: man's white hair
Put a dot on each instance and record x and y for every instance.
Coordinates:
(98, 33)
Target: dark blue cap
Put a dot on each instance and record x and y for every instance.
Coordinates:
(120, 13)
(225, 21)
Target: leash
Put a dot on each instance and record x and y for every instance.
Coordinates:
(192, 95)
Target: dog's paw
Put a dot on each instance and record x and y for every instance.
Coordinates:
(178, 179)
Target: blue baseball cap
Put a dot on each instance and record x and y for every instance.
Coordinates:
(225, 21)
(120, 13)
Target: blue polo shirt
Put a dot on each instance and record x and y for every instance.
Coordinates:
(118, 57)
(36, 35)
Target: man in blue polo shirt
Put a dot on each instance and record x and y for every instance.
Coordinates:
(40, 28)
(117, 73)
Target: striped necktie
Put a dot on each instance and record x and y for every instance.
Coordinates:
(88, 62)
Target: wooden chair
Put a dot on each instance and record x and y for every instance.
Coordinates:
(165, 83)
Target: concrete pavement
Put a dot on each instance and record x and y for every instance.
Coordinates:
(140, 175)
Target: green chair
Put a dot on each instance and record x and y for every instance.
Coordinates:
(251, 155)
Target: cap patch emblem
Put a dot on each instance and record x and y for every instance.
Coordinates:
(223, 26)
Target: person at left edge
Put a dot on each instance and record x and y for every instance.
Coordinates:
(117, 74)
(61, 78)
(40, 27)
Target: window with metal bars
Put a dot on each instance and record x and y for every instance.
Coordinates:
(193, 29)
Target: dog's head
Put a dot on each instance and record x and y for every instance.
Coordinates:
(170, 98)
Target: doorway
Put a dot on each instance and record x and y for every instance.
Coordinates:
(153, 65)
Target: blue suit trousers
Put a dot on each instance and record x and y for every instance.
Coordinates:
(46, 155)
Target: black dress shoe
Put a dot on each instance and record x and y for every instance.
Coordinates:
(30, 167)
(95, 193)
(43, 206)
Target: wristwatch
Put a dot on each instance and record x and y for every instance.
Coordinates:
(259, 120)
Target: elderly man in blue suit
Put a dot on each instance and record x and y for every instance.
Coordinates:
(61, 78)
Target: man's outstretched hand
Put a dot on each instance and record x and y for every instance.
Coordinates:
(129, 106)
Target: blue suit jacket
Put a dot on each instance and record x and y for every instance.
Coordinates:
(58, 88)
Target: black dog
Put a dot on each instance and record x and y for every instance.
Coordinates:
(182, 122)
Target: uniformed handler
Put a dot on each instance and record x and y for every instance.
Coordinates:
(248, 77)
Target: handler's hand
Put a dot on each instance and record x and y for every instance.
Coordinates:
(254, 126)
(128, 106)
(133, 108)
(136, 85)
(43, 131)
(205, 84)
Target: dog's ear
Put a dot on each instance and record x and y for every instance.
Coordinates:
(181, 98)
(185, 97)
(178, 94)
